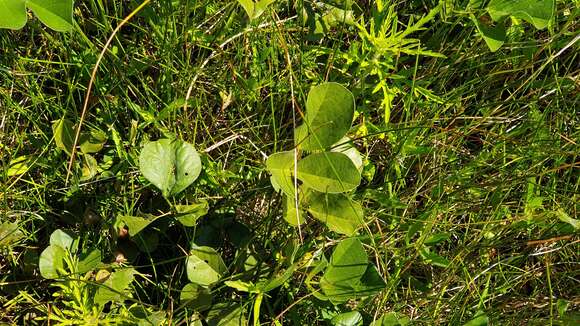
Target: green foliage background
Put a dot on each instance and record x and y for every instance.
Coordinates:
(468, 164)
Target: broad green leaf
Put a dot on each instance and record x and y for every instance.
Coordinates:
(436, 238)
(90, 167)
(242, 286)
(113, 289)
(51, 262)
(92, 141)
(345, 147)
(196, 297)
(17, 166)
(255, 9)
(567, 219)
(13, 14)
(146, 317)
(291, 215)
(494, 36)
(64, 135)
(391, 319)
(61, 238)
(349, 275)
(480, 319)
(170, 165)
(189, 214)
(433, 258)
(56, 14)
(535, 12)
(89, 261)
(135, 223)
(9, 234)
(205, 266)
(328, 172)
(329, 115)
(224, 314)
(337, 211)
(348, 264)
(352, 318)
(281, 166)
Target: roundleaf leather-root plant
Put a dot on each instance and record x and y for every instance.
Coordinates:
(330, 171)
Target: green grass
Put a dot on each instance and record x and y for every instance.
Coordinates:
(490, 160)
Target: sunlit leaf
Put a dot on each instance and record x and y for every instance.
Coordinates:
(205, 266)
(337, 211)
(171, 165)
(189, 214)
(113, 289)
(64, 135)
(255, 9)
(328, 172)
(13, 14)
(281, 167)
(329, 115)
(535, 12)
(352, 318)
(56, 14)
(51, 262)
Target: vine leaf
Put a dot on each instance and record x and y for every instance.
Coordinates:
(171, 165)
(535, 12)
(337, 211)
(281, 167)
(349, 275)
(330, 172)
(56, 14)
(329, 114)
(205, 266)
(13, 14)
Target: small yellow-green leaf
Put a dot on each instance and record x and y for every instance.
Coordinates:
(64, 136)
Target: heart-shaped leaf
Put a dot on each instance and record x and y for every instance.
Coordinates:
(51, 262)
(64, 136)
(329, 114)
(291, 215)
(281, 166)
(337, 211)
(171, 165)
(205, 266)
(196, 297)
(189, 214)
(13, 14)
(328, 172)
(56, 14)
(255, 9)
(535, 12)
(93, 141)
(349, 275)
(114, 287)
(352, 318)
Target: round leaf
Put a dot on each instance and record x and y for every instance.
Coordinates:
(329, 115)
(13, 14)
(196, 297)
(205, 266)
(56, 14)
(338, 212)
(170, 165)
(51, 261)
(328, 172)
